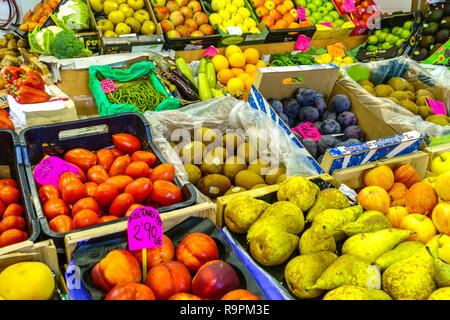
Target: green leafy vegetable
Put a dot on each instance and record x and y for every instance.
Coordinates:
(75, 15)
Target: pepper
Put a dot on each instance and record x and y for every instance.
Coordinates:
(27, 95)
(11, 73)
(31, 79)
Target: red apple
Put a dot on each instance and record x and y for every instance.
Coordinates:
(422, 226)
(167, 25)
(200, 18)
(172, 6)
(183, 31)
(195, 6)
(186, 12)
(177, 18)
(161, 13)
(214, 279)
(206, 29)
(191, 24)
(173, 34)
(182, 3)
(197, 33)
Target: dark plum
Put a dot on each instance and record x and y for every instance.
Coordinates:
(311, 146)
(320, 104)
(276, 105)
(308, 113)
(354, 132)
(284, 118)
(291, 108)
(329, 126)
(326, 142)
(340, 103)
(347, 119)
(305, 97)
(328, 115)
(348, 142)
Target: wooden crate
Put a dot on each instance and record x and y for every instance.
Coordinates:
(354, 177)
(45, 252)
(169, 220)
(257, 193)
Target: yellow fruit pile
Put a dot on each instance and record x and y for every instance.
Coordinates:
(232, 13)
(236, 69)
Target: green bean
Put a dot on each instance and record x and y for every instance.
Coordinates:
(141, 94)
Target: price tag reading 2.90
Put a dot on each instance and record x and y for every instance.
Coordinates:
(308, 131)
(144, 229)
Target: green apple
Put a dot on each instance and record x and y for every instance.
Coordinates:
(318, 3)
(378, 32)
(441, 163)
(386, 46)
(339, 22)
(308, 12)
(322, 10)
(394, 40)
(372, 40)
(134, 24)
(396, 30)
(105, 25)
(382, 36)
(389, 37)
(405, 34)
(313, 20)
(399, 42)
(148, 27)
(371, 48)
(301, 3)
(317, 16)
(329, 5)
(386, 30)
(408, 25)
(312, 7)
(334, 14)
(328, 18)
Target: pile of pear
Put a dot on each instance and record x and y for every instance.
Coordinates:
(410, 95)
(332, 250)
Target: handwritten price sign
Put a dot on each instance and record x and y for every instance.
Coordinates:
(144, 229)
(50, 169)
(302, 43)
(301, 13)
(308, 131)
(108, 86)
(437, 106)
(349, 5)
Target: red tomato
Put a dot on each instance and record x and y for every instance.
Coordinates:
(164, 171)
(85, 203)
(12, 236)
(150, 203)
(120, 181)
(48, 192)
(105, 194)
(8, 182)
(97, 174)
(2, 208)
(90, 188)
(61, 224)
(120, 204)
(116, 152)
(140, 189)
(83, 158)
(66, 178)
(13, 209)
(148, 157)
(73, 192)
(119, 165)
(107, 219)
(55, 207)
(126, 142)
(105, 158)
(80, 174)
(9, 195)
(85, 218)
(12, 222)
(137, 169)
(166, 193)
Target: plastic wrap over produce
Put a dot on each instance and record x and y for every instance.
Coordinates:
(225, 115)
(406, 116)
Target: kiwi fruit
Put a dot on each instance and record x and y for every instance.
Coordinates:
(214, 185)
(399, 95)
(273, 174)
(383, 90)
(234, 190)
(438, 119)
(398, 84)
(369, 89)
(247, 151)
(363, 83)
(232, 166)
(259, 166)
(231, 141)
(248, 179)
(212, 164)
(205, 135)
(194, 173)
(411, 106)
(192, 152)
(425, 111)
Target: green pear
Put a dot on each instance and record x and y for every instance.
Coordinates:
(441, 273)
(298, 190)
(330, 198)
(350, 292)
(317, 238)
(371, 245)
(411, 278)
(368, 221)
(283, 214)
(242, 211)
(440, 294)
(272, 246)
(349, 269)
(304, 270)
(402, 251)
(337, 218)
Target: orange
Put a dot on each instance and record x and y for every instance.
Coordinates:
(275, 14)
(294, 25)
(277, 2)
(237, 59)
(224, 75)
(304, 24)
(268, 20)
(281, 8)
(231, 49)
(237, 71)
(244, 76)
(251, 55)
(261, 64)
(220, 62)
(288, 18)
(281, 24)
(250, 69)
(235, 86)
(248, 82)
(288, 4)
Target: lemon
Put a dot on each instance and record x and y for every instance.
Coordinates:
(231, 8)
(254, 30)
(223, 28)
(224, 14)
(238, 3)
(235, 86)
(244, 12)
(237, 59)
(218, 5)
(231, 49)
(249, 23)
(348, 60)
(337, 60)
(220, 62)
(243, 28)
(27, 281)
(215, 18)
(326, 58)
(237, 19)
(229, 23)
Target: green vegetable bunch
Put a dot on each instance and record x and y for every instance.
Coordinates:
(282, 60)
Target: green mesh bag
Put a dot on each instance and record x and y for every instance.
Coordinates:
(137, 70)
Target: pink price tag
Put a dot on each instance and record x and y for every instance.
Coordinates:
(308, 131)
(437, 106)
(327, 24)
(349, 5)
(302, 43)
(144, 229)
(108, 86)
(210, 52)
(50, 169)
(301, 13)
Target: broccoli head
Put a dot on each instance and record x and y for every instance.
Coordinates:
(66, 45)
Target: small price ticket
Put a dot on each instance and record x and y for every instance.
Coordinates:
(308, 131)
(349, 5)
(437, 106)
(108, 86)
(303, 43)
(327, 24)
(50, 169)
(144, 229)
(301, 13)
(211, 51)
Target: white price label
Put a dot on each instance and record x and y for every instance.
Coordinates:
(236, 31)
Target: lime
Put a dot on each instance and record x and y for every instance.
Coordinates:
(378, 32)
(386, 46)
(382, 37)
(396, 30)
(389, 37)
(371, 48)
(399, 42)
(372, 40)
(386, 30)
(394, 40)
(334, 14)
(405, 34)
(408, 25)
(328, 18)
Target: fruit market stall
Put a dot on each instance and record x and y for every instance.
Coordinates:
(224, 150)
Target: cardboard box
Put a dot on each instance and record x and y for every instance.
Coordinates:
(131, 42)
(324, 32)
(322, 78)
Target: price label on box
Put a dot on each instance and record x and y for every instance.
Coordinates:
(308, 131)
(144, 229)
(50, 169)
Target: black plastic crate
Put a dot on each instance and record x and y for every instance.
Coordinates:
(191, 43)
(287, 35)
(89, 252)
(11, 157)
(92, 134)
(406, 48)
